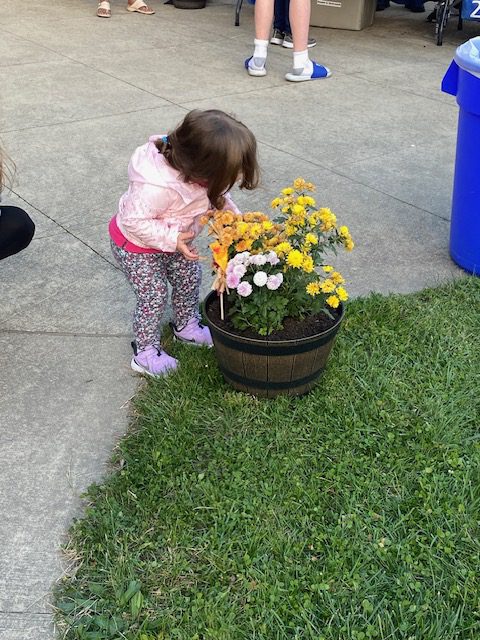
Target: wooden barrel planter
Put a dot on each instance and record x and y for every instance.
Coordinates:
(269, 368)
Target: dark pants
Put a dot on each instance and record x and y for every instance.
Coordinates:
(16, 231)
(281, 21)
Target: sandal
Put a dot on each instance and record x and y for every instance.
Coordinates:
(140, 7)
(103, 9)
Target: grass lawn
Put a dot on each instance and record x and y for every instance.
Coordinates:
(349, 514)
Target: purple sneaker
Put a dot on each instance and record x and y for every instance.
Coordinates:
(152, 361)
(194, 333)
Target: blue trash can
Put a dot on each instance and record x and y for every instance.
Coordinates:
(463, 81)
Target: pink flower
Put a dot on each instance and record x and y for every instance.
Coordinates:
(239, 270)
(232, 280)
(274, 281)
(259, 259)
(241, 258)
(244, 289)
(272, 258)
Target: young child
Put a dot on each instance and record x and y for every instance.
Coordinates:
(174, 180)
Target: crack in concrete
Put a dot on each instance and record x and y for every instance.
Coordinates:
(353, 180)
(61, 226)
(64, 334)
(26, 613)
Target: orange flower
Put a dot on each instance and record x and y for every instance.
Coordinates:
(227, 218)
(220, 255)
(243, 245)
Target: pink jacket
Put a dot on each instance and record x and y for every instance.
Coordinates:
(158, 204)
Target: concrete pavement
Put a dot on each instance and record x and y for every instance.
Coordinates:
(78, 94)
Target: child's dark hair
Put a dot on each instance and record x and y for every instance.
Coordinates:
(213, 148)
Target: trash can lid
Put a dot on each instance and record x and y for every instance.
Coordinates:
(467, 56)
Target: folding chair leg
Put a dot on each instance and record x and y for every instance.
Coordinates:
(238, 8)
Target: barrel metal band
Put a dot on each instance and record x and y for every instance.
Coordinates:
(271, 349)
(262, 384)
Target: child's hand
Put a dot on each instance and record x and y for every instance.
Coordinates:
(183, 245)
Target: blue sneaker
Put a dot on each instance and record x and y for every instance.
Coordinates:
(301, 75)
(255, 66)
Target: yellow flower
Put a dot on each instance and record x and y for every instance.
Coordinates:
(337, 278)
(287, 191)
(327, 268)
(301, 200)
(295, 259)
(297, 209)
(311, 238)
(313, 288)
(301, 185)
(349, 245)
(255, 229)
(308, 264)
(343, 231)
(275, 203)
(242, 228)
(290, 229)
(272, 242)
(204, 219)
(312, 220)
(327, 286)
(328, 219)
(309, 201)
(267, 225)
(283, 247)
(332, 301)
(342, 294)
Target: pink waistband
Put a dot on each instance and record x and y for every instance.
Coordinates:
(119, 239)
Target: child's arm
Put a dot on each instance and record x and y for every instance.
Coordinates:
(184, 247)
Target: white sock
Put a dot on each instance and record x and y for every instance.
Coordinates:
(302, 61)
(259, 54)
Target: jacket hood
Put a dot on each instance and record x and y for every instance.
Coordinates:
(148, 166)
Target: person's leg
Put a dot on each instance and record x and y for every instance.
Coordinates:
(300, 21)
(255, 65)
(146, 273)
(286, 17)
(279, 17)
(16, 231)
(303, 67)
(185, 277)
(288, 39)
(416, 6)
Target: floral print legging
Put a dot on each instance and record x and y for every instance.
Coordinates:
(148, 273)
